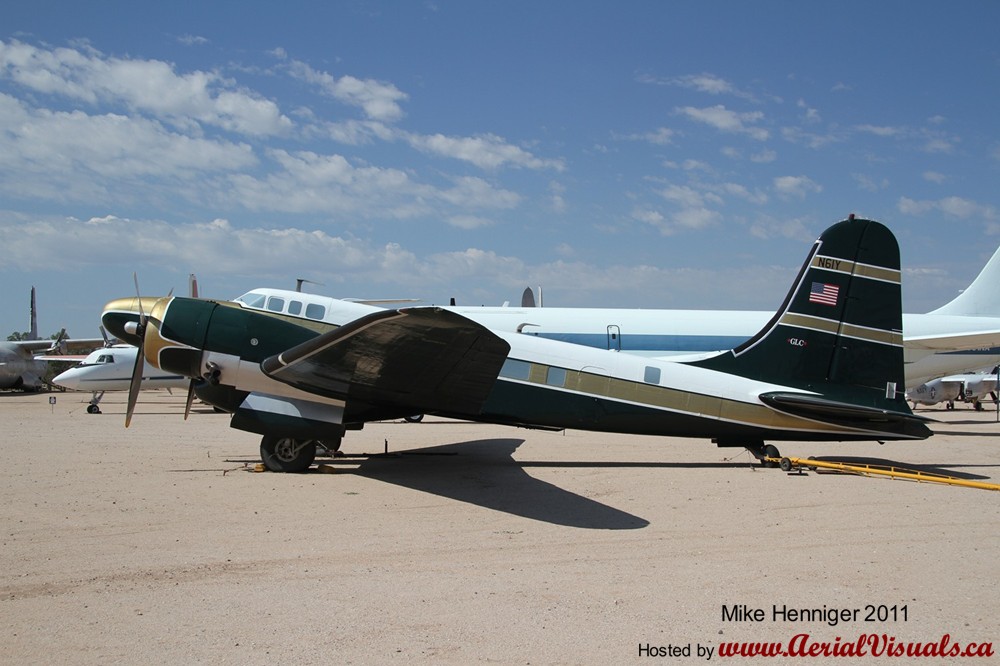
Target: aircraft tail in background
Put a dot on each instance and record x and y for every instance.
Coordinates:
(981, 298)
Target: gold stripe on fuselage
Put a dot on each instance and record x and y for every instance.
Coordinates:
(676, 400)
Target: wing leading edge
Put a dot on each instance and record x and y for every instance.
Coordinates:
(425, 359)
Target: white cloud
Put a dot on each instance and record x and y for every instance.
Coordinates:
(378, 99)
(938, 145)
(487, 151)
(868, 183)
(648, 216)
(706, 83)
(192, 40)
(146, 86)
(809, 139)
(661, 136)
(880, 130)
(795, 186)
(75, 156)
(767, 227)
(956, 207)
(468, 221)
(934, 177)
(811, 114)
(557, 198)
(726, 120)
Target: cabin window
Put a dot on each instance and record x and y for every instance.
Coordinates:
(275, 304)
(315, 311)
(652, 375)
(294, 307)
(515, 369)
(555, 377)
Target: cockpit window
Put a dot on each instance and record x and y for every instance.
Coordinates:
(315, 311)
(275, 304)
(252, 300)
(106, 358)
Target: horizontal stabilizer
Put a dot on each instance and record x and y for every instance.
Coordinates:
(846, 414)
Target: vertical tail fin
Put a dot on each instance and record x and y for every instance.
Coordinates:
(839, 330)
(982, 297)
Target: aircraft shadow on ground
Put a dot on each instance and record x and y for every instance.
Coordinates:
(484, 473)
(944, 469)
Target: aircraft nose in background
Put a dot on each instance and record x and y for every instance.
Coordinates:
(68, 379)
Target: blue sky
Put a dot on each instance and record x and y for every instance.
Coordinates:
(639, 154)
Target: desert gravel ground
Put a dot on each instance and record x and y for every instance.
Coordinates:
(471, 543)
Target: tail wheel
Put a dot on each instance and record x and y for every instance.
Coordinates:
(285, 454)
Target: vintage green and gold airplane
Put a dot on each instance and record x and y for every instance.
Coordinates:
(828, 366)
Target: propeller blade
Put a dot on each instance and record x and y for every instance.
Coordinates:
(190, 399)
(138, 298)
(135, 384)
(140, 358)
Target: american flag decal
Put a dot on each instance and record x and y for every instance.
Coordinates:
(824, 293)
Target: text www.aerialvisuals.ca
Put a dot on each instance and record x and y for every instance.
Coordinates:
(866, 645)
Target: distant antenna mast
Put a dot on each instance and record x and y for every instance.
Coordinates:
(33, 324)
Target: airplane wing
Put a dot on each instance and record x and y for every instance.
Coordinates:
(35, 346)
(427, 359)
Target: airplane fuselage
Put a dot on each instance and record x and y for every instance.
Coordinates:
(110, 369)
(666, 333)
(18, 369)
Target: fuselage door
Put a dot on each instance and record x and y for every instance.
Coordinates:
(614, 338)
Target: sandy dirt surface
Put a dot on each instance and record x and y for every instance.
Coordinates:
(472, 543)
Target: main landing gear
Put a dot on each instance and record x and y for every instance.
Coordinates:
(767, 454)
(287, 454)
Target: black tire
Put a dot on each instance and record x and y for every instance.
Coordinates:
(771, 451)
(284, 454)
(93, 409)
(416, 418)
(786, 465)
(329, 446)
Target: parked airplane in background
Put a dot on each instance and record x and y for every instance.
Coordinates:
(110, 369)
(961, 336)
(21, 369)
(824, 369)
(973, 387)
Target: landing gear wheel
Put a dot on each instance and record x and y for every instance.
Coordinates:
(771, 451)
(93, 409)
(284, 454)
(416, 418)
(331, 446)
